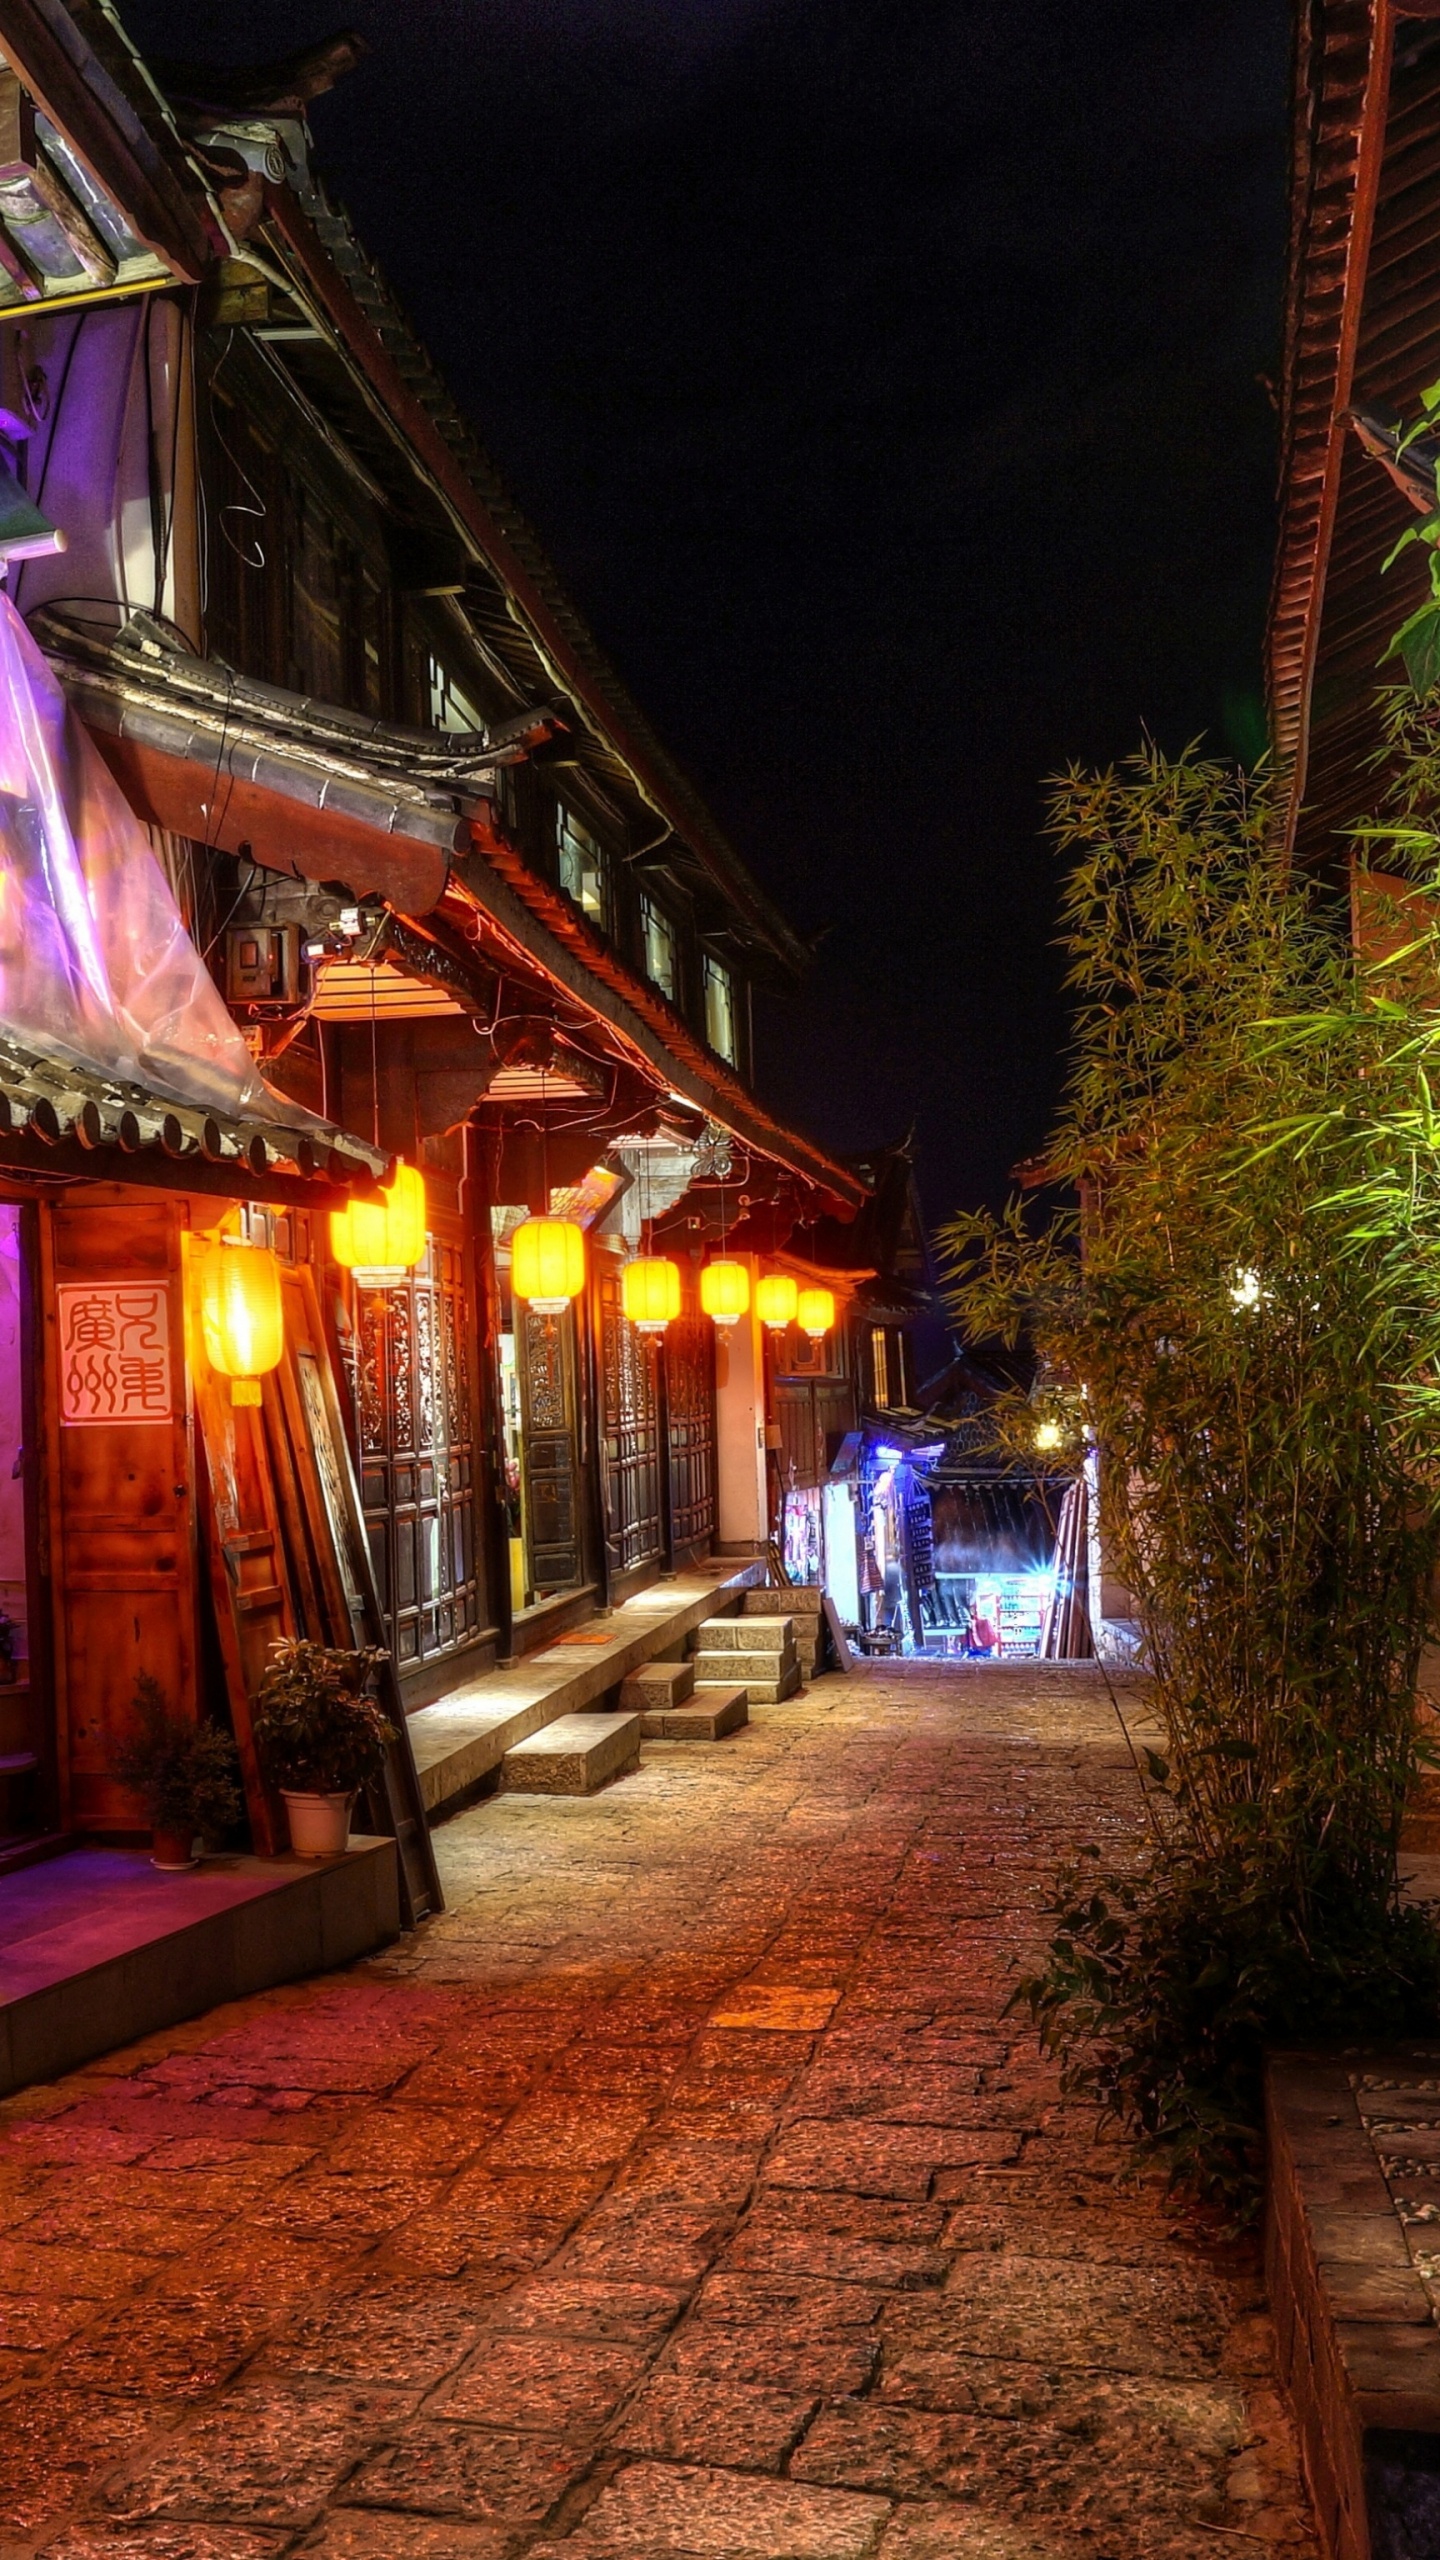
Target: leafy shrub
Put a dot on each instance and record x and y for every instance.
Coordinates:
(315, 1729)
(183, 1773)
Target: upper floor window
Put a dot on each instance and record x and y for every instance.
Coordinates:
(719, 1008)
(660, 955)
(449, 707)
(880, 1365)
(582, 865)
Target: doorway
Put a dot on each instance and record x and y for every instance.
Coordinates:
(539, 1413)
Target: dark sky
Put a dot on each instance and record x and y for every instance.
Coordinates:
(883, 380)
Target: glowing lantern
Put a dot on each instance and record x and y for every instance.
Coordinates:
(1048, 1435)
(776, 1300)
(242, 1314)
(650, 1292)
(547, 1263)
(725, 1291)
(380, 1240)
(815, 1312)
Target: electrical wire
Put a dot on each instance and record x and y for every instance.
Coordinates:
(259, 511)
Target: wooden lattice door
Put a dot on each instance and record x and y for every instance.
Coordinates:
(120, 1471)
(690, 1430)
(630, 1401)
(549, 1446)
(417, 1451)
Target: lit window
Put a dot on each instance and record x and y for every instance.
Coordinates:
(719, 1009)
(449, 707)
(659, 947)
(582, 864)
(880, 1365)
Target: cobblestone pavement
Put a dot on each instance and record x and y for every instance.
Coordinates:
(682, 2191)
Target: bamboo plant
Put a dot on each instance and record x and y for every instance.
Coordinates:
(1250, 1341)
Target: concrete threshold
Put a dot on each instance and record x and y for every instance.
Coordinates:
(97, 1948)
(460, 1741)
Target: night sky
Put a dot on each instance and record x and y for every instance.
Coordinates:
(887, 382)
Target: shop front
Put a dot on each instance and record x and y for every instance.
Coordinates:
(168, 1511)
(994, 1566)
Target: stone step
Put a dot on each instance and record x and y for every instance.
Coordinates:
(743, 1666)
(460, 1741)
(573, 1756)
(656, 1686)
(802, 1600)
(746, 1635)
(763, 1689)
(706, 1717)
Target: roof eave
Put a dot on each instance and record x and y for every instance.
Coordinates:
(1342, 81)
(112, 115)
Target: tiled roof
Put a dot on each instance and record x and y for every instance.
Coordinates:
(52, 1111)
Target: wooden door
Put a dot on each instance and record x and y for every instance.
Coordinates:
(121, 1481)
(416, 1423)
(630, 1409)
(545, 1365)
(690, 1428)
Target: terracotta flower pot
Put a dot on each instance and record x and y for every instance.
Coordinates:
(319, 1824)
(172, 1851)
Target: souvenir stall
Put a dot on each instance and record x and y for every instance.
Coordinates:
(994, 1564)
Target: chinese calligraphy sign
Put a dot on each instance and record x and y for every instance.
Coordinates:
(114, 1351)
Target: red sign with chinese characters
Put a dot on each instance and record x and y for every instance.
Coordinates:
(114, 1351)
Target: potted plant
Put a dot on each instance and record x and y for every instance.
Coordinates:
(319, 1737)
(183, 1773)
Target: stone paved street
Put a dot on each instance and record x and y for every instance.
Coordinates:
(682, 2191)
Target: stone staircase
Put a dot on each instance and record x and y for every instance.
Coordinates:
(664, 1697)
(758, 1651)
(802, 1604)
(462, 1741)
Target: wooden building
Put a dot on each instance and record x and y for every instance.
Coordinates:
(460, 908)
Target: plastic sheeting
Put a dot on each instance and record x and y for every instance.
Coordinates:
(96, 967)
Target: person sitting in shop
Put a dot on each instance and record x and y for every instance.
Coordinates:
(984, 1633)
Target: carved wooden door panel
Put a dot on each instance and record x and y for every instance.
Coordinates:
(545, 1361)
(630, 1405)
(122, 1559)
(690, 1428)
(417, 1451)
